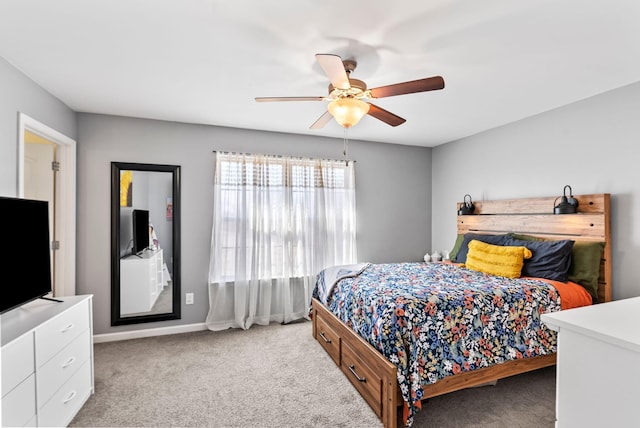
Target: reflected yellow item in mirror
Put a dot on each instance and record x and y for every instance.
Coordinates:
(126, 183)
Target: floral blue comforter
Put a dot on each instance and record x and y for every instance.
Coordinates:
(433, 320)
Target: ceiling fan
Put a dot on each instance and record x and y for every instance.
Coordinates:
(347, 95)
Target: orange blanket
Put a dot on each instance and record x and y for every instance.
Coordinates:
(572, 295)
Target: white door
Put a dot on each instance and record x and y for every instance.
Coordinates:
(38, 146)
(40, 180)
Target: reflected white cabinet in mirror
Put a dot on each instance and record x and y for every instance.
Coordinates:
(141, 282)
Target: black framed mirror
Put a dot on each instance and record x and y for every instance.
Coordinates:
(145, 243)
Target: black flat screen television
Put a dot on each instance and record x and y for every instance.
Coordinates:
(140, 231)
(25, 251)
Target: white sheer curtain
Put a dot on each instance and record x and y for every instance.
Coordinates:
(277, 222)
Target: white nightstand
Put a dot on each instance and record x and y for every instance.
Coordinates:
(598, 368)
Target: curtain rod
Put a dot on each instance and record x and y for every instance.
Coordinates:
(281, 156)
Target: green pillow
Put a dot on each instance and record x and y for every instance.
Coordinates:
(525, 237)
(585, 262)
(585, 265)
(456, 248)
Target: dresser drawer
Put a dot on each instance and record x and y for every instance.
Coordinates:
(59, 369)
(17, 362)
(363, 378)
(19, 405)
(60, 331)
(328, 338)
(65, 403)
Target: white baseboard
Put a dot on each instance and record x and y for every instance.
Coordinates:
(149, 332)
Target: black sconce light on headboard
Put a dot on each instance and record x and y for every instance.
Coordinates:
(466, 208)
(567, 205)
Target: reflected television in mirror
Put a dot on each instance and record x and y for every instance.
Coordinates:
(145, 242)
(141, 232)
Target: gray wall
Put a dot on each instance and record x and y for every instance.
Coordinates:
(393, 188)
(592, 145)
(21, 94)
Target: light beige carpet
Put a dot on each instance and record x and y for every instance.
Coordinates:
(275, 376)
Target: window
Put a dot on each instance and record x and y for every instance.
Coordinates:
(279, 217)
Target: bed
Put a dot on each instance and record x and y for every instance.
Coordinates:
(394, 380)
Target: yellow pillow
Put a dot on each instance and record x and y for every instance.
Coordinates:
(497, 260)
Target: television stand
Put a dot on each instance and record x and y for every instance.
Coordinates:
(47, 362)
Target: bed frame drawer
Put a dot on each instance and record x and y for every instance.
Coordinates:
(368, 383)
(329, 339)
(380, 385)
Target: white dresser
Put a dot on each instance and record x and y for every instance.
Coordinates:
(598, 369)
(141, 281)
(47, 361)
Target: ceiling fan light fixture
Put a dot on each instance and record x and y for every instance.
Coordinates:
(346, 94)
(348, 111)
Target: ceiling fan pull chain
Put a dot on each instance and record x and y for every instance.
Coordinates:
(345, 141)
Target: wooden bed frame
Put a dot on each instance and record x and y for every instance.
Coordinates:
(375, 377)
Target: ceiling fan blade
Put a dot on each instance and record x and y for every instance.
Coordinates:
(265, 99)
(334, 69)
(322, 121)
(385, 116)
(420, 85)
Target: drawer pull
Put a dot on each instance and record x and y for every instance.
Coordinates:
(69, 362)
(352, 368)
(67, 328)
(325, 338)
(70, 397)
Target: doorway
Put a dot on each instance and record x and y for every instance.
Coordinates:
(46, 171)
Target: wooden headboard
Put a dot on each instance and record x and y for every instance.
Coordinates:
(534, 216)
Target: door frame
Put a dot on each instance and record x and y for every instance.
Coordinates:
(65, 194)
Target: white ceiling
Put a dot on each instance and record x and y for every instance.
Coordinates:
(204, 61)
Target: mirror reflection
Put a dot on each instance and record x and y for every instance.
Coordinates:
(145, 285)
